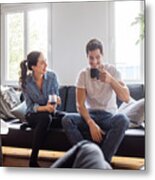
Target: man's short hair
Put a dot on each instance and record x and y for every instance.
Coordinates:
(93, 45)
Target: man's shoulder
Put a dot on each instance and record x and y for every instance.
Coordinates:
(111, 69)
(84, 71)
(81, 78)
(83, 74)
(109, 66)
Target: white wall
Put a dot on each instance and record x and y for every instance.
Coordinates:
(73, 25)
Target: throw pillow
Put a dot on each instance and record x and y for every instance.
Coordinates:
(8, 100)
(134, 110)
(9, 95)
(20, 111)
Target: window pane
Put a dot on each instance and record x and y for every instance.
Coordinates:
(15, 44)
(37, 30)
(127, 52)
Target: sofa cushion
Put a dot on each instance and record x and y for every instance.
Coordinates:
(71, 100)
(133, 143)
(9, 99)
(134, 110)
(20, 111)
(63, 94)
(136, 92)
(17, 137)
(9, 96)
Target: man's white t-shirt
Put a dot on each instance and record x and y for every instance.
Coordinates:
(99, 95)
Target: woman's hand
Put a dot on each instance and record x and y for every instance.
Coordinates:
(96, 132)
(58, 100)
(50, 107)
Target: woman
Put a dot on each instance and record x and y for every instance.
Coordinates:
(36, 87)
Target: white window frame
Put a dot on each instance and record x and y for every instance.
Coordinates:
(8, 8)
(112, 47)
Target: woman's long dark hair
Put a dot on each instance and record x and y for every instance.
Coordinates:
(25, 65)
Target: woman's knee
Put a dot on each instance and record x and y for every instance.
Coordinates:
(44, 119)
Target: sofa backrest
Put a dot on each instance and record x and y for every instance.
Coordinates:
(136, 92)
(63, 95)
(71, 100)
(67, 94)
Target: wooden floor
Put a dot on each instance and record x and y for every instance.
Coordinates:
(19, 157)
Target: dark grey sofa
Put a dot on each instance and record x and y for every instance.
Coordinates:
(133, 144)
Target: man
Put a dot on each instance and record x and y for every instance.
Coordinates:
(96, 89)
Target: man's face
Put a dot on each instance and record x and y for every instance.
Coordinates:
(95, 58)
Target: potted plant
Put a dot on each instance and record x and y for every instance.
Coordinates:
(140, 20)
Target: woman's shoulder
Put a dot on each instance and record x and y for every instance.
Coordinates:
(50, 74)
(28, 78)
(28, 82)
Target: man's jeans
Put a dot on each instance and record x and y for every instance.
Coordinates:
(114, 125)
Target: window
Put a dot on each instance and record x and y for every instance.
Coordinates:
(25, 28)
(37, 31)
(15, 42)
(129, 52)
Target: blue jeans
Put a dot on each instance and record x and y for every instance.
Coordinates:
(114, 125)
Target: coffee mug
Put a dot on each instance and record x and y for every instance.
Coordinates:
(94, 73)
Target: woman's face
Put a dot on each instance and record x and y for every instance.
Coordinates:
(40, 68)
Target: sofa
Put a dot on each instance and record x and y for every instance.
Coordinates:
(133, 144)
